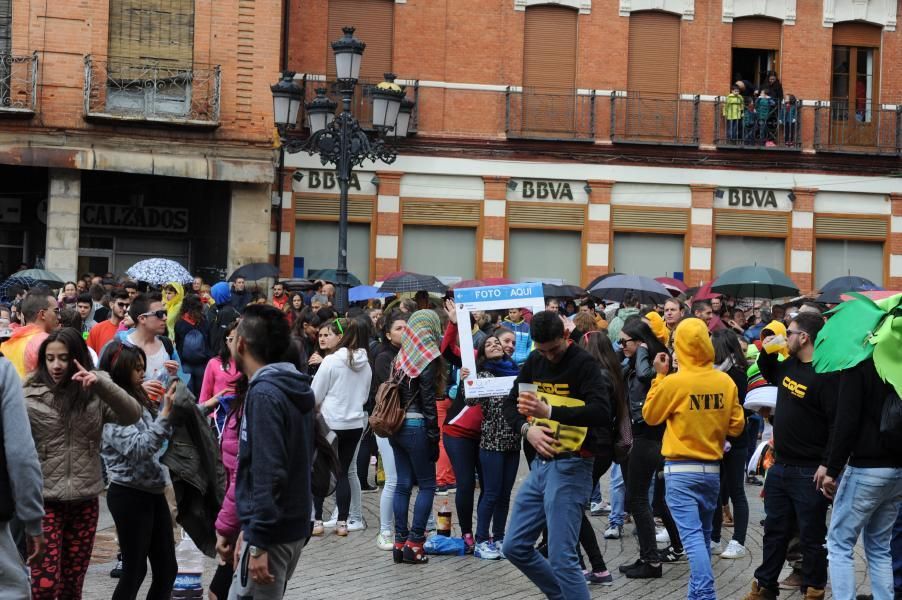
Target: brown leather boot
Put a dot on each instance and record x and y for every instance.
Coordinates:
(760, 593)
(814, 594)
(727, 516)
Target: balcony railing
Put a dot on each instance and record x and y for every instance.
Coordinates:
(774, 127)
(654, 118)
(18, 84)
(863, 126)
(129, 90)
(550, 115)
(362, 104)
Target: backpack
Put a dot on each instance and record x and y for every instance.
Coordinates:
(220, 319)
(325, 470)
(194, 348)
(388, 414)
(891, 420)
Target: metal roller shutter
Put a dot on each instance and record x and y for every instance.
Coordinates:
(149, 31)
(549, 49)
(6, 22)
(856, 34)
(431, 211)
(633, 218)
(757, 32)
(654, 53)
(726, 221)
(546, 215)
(851, 227)
(374, 20)
(359, 209)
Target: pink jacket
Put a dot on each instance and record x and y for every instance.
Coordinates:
(227, 523)
(217, 379)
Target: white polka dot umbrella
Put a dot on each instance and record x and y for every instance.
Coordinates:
(159, 271)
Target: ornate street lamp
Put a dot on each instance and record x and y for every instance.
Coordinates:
(339, 140)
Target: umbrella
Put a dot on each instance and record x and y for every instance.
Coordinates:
(331, 276)
(616, 288)
(674, 286)
(255, 271)
(551, 290)
(412, 282)
(755, 282)
(41, 276)
(24, 282)
(704, 293)
(595, 281)
(159, 271)
(365, 292)
(487, 282)
(873, 295)
(830, 293)
(297, 285)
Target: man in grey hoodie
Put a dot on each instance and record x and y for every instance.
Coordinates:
(275, 458)
(21, 487)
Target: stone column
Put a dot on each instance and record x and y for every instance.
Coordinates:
(494, 227)
(286, 240)
(63, 219)
(597, 229)
(701, 235)
(894, 277)
(250, 238)
(801, 249)
(388, 224)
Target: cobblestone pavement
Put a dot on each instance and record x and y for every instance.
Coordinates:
(353, 568)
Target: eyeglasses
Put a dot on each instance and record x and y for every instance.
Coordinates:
(123, 304)
(625, 340)
(160, 314)
(790, 332)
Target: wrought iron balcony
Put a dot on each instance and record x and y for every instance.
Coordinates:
(18, 84)
(362, 105)
(864, 126)
(129, 90)
(550, 114)
(766, 127)
(654, 119)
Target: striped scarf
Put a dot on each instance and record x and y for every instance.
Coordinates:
(420, 344)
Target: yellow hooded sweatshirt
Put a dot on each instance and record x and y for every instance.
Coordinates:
(699, 403)
(173, 307)
(658, 327)
(779, 329)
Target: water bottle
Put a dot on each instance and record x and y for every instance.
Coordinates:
(189, 581)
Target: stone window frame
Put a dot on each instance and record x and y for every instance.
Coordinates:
(783, 10)
(877, 12)
(583, 6)
(684, 8)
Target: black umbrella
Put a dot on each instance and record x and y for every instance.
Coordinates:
(412, 282)
(551, 290)
(331, 275)
(600, 278)
(833, 289)
(755, 282)
(26, 283)
(254, 271)
(618, 287)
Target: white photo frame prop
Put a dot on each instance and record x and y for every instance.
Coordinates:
(518, 295)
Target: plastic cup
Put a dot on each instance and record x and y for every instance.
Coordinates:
(523, 388)
(776, 344)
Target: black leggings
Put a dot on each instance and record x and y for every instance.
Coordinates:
(587, 537)
(367, 450)
(347, 444)
(661, 509)
(145, 532)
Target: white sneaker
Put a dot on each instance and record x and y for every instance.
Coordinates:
(486, 551)
(613, 532)
(330, 524)
(383, 540)
(662, 537)
(355, 525)
(734, 550)
(716, 548)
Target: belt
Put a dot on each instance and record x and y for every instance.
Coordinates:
(415, 422)
(691, 468)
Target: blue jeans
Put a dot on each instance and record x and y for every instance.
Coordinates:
(411, 448)
(500, 471)
(464, 456)
(790, 497)
(897, 553)
(555, 493)
(618, 497)
(692, 499)
(866, 504)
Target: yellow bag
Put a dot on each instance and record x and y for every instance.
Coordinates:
(569, 437)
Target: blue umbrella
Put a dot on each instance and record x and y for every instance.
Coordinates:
(833, 289)
(159, 271)
(365, 292)
(24, 282)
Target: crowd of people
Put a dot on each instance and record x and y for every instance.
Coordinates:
(665, 397)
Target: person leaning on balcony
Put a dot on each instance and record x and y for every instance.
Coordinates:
(746, 88)
(732, 113)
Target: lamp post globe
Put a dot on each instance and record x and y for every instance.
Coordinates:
(387, 99)
(286, 101)
(348, 52)
(320, 111)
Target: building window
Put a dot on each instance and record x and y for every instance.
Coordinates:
(854, 102)
(756, 49)
(542, 255)
(374, 23)
(447, 252)
(648, 254)
(736, 251)
(316, 242)
(838, 258)
(6, 23)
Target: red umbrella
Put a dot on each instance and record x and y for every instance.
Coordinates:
(674, 286)
(705, 293)
(872, 294)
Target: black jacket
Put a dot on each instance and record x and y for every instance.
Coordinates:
(856, 437)
(418, 395)
(638, 375)
(198, 476)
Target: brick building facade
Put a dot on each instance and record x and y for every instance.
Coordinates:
(132, 129)
(565, 139)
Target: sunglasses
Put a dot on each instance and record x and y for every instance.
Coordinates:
(625, 340)
(160, 314)
(790, 332)
(122, 304)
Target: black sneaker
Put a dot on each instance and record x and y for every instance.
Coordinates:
(116, 571)
(644, 571)
(669, 555)
(627, 567)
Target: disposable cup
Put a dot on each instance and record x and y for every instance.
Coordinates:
(522, 388)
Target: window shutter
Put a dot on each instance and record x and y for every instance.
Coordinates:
(654, 53)
(549, 49)
(6, 19)
(856, 34)
(152, 31)
(755, 32)
(374, 20)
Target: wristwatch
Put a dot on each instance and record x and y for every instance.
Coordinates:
(254, 551)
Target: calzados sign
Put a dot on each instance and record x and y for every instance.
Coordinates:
(108, 216)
